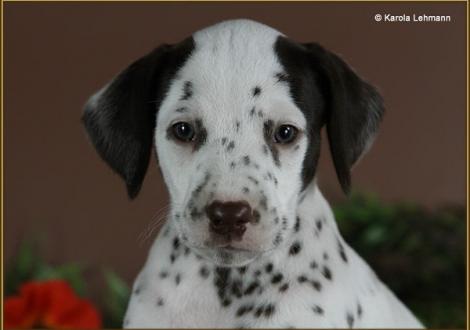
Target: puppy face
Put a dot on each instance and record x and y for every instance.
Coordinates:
(235, 114)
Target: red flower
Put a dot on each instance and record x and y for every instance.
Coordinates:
(50, 304)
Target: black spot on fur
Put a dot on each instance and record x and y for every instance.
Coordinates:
(242, 270)
(325, 256)
(318, 310)
(269, 310)
(260, 114)
(178, 279)
(163, 274)
(232, 165)
(256, 91)
(160, 302)
(226, 302)
(297, 224)
(230, 146)
(277, 278)
(252, 112)
(244, 309)
(277, 239)
(187, 91)
(246, 160)
(326, 272)
(350, 319)
(268, 137)
(236, 288)
(259, 311)
(256, 215)
(295, 248)
(251, 288)
(176, 243)
(269, 268)
(313, 265)
(223, 140)
(342, 253)
(302, 279)
(237, 126)
(252, 179)
(284, 287)
(316, 285)
(204, 272)
(319, 224)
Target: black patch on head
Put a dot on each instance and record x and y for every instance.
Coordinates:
(318, 310)
(120, 121)
(187, 91)
(256, 91)
(295, 248)
(328, 92)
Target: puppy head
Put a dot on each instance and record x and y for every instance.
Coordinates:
(235, 113)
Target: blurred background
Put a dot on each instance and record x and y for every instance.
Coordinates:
(67, 215)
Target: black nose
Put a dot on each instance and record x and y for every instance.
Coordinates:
(229, 218)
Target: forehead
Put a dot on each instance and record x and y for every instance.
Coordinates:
(233, 69)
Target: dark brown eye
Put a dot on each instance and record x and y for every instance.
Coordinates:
(285, 134)
(183, 131)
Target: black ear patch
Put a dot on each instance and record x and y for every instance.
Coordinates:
(329, 92)
(120, 119)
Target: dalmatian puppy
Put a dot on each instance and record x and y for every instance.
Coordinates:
(235, 113)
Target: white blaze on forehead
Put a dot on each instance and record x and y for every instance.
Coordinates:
(229, 60)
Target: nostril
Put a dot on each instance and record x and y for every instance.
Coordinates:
(229, 216)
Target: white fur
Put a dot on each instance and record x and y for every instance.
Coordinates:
(229, 60)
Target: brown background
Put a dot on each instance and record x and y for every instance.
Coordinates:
(56, 55)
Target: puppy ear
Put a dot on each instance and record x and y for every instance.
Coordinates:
(120, 119)
(354, 110)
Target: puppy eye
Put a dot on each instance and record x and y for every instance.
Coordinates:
(183, 131)
(285, 134)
